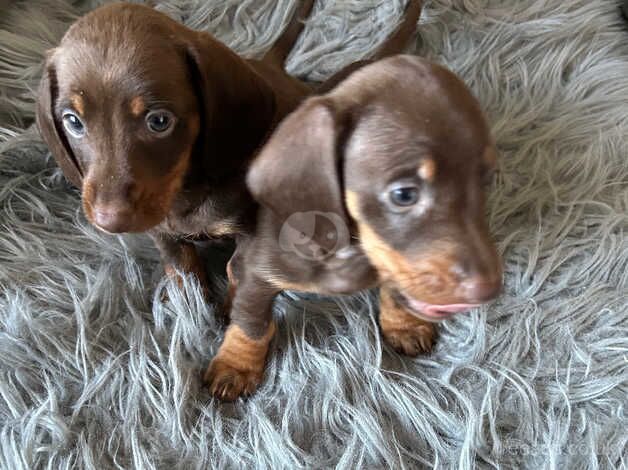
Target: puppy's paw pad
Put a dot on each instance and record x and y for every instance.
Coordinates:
(414, 341)
(229, 383)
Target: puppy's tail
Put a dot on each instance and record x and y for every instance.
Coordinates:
(400, 38)
(393, 45)
(279, 51)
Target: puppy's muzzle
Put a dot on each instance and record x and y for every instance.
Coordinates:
(112, 219)
(111, 209)
(436, 295)
(480, 289)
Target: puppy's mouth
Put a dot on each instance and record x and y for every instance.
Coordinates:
(427, 311)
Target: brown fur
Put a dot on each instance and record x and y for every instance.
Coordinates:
(490, 156)
(339, 157)
(122, 61)
(295, 174)
(127, 61)
(190, 263)
(428, 277)
(405, 332)
(232, 285)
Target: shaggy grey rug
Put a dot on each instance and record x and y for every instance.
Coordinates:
(95, 372)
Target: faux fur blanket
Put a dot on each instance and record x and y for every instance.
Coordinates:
(96, 372)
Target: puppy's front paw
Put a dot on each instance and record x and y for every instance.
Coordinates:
(227, 382)
(238, 367)
(405, 332)
(412, 340)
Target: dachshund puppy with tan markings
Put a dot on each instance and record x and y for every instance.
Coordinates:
(378, 182)
(157, 123)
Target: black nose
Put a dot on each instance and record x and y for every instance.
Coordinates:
(480, 289)
(112, 219)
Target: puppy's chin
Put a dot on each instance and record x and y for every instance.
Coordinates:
(135, 223)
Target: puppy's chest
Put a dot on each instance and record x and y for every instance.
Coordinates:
(345, 272)
(207, 217)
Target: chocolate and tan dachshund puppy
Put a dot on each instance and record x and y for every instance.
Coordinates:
(378, 182)
(157, 123)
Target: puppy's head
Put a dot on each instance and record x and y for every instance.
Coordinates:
(400, 150)
(127, 104)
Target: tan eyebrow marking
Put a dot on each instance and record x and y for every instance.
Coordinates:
(427, 170)
(351, 200)
(490, 156)
(137, 106)
(78, 104)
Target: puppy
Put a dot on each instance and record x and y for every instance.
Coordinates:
(156, 124)
(378, 182)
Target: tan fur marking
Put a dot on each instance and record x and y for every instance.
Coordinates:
(403, 331)
(243, 352)
(381, 254)
(171, 272)
(427, 170)
(490, 156)
(156, 198)
(224, 228)
(427, 278)
(87, 198)
(232, 285)
(190, 261)
(190, 264)
(138, 106)
(78, 104)
(282, 284)
(238, 367)
(351, 200)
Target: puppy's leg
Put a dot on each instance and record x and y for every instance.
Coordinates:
(232, 284)
(235, 271)
(403, 331)
(238, 367)
(181, 256)
(281, 48)
(400, 38)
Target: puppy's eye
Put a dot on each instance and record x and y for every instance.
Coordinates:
(160, 122)
(73, 124)
(404, 196)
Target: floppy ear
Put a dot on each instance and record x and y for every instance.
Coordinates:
(51, 130)
(298, 172)
(237, 106)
